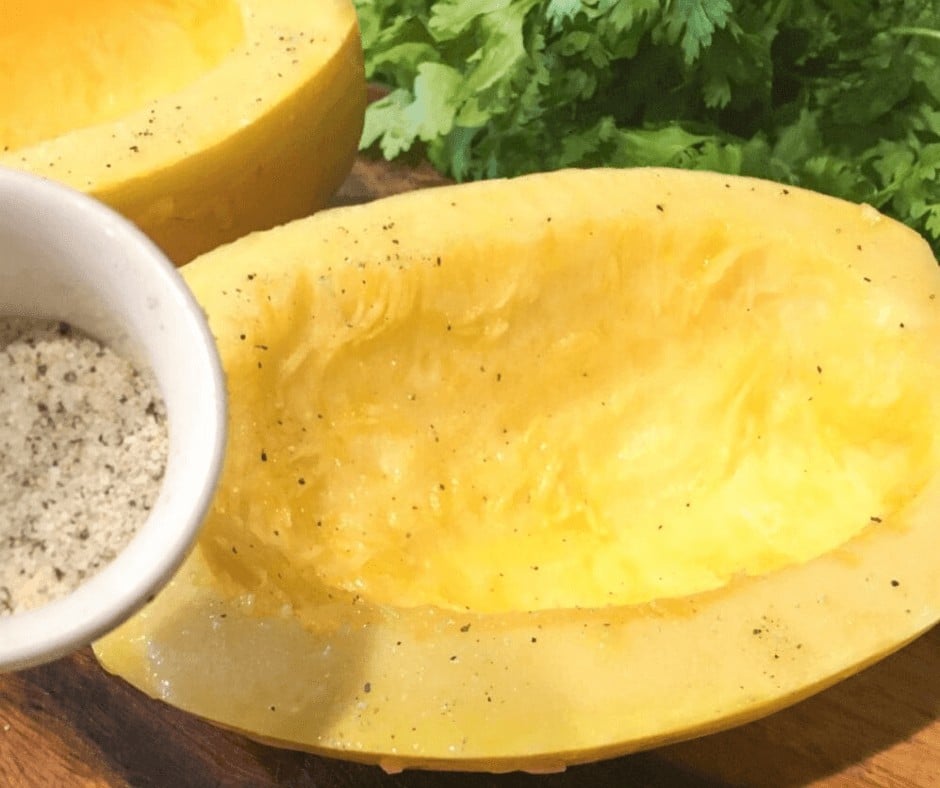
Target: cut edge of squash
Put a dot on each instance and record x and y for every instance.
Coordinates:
(859, 613)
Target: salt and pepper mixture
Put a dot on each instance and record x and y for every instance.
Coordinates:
(83, 448)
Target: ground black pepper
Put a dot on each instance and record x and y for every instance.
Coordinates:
(83, 445)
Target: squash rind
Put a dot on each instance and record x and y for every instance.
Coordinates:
(436, 688)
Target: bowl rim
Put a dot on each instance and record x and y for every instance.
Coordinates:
(160, 544)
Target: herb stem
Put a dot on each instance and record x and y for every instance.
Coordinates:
(923, 32)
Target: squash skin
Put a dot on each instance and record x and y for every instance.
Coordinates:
(437, 688)
(265, 138)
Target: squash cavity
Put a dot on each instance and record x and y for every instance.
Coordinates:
(119, 56)
(580, 423)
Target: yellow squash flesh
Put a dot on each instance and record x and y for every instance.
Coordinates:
(200, 120)
(532, 472)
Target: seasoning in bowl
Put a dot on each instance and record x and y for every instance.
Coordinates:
(83, 449)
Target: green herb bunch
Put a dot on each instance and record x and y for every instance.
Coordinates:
(840, 96)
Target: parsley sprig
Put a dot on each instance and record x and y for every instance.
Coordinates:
(840, 96)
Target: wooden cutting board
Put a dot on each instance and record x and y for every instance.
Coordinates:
(69, 723)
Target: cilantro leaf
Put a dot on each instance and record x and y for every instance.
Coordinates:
(693, 22)
(841, 97)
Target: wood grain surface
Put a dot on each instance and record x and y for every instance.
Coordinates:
(69, 723)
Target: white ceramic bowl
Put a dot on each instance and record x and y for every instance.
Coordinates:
(67, 257)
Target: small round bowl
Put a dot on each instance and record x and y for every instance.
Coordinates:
(65, 256)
